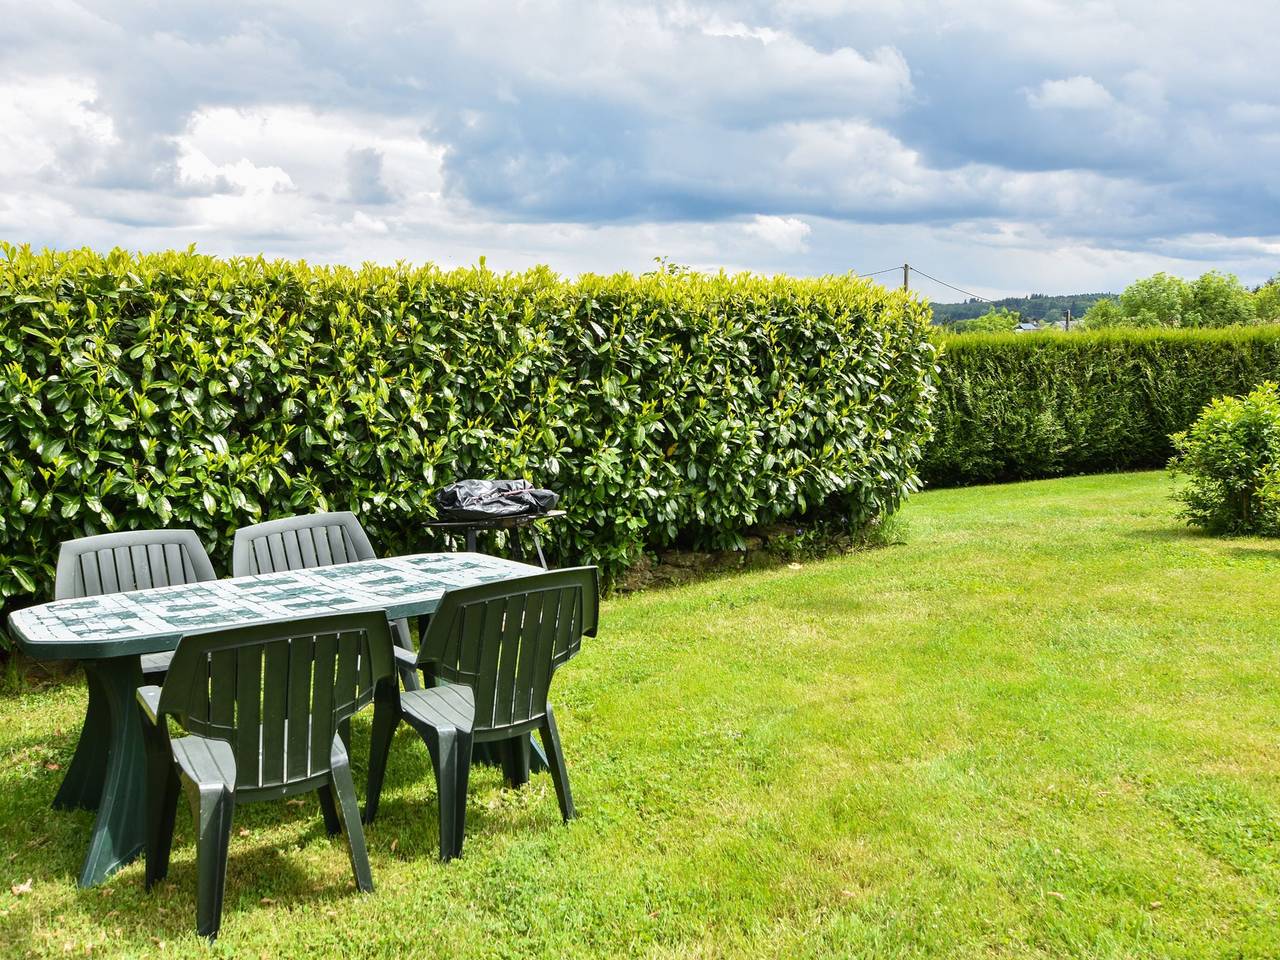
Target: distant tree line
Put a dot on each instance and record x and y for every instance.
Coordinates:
(1037, 308)
(1215, 299)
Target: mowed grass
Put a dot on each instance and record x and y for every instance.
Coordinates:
(1048, 724)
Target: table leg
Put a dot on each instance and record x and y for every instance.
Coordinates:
(537, 545)
(119, 829)
(82, 785)
(471, 539)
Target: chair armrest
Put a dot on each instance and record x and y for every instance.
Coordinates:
(149, 700)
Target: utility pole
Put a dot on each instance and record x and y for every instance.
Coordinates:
(906, 276)
(1068, 318)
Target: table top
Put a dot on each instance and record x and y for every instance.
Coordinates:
(516, 520)
(152, 621)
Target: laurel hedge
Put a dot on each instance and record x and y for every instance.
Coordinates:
(180, 389)
(1022, 406)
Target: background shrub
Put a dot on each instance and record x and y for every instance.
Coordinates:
(1215, 299)
(1231, 458)
(1021, 406)
(179, 389)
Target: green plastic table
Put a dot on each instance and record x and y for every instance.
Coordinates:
(108, 633)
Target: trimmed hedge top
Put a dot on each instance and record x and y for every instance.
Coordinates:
(177, 389)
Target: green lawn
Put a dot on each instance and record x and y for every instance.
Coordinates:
(1047, 724)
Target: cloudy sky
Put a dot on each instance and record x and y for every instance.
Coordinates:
(1007, 146)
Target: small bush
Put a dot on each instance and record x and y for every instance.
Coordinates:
(1231, 457)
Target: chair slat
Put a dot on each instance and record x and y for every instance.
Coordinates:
(275, 695)
(298, 745)
(323, 700)
(107, 572)
(259, 557)
(140, 566)
(338, 545)
(222, 689)
(324, 549)
(540, 682)
(90, 581)
(348, 545)
(292, 554)
(487, 668)
(275, 550)
(159, 572)
(125, 574)
(173, 562)
(509, 645)
(345, 673)
(537, 607)
(307, 547)
(248, 719)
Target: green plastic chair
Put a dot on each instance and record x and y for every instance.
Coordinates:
(313, 540)
(262, 706)
(134, 560)
(489, 654)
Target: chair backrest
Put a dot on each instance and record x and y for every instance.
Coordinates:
(133, 560)
(297, 543)
(277, 692)
(506, 639)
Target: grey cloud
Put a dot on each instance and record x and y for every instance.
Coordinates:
(364, 177)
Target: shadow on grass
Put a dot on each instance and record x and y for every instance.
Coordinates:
(1244, 547)
(20, 675)
(168, 910)
(1254, 552)
(1170, 534)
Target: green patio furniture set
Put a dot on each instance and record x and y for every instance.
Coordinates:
(262, 673)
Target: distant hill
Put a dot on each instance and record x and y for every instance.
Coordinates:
(1039, 306)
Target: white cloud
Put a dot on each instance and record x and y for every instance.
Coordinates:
(1253, 113)
(784, 233)
(241, 176)
(47, 123)
(1073, 93)
(311, 148)
(361, 222)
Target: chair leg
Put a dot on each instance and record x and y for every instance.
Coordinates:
(451, 757)
(555, 760)
(537, 756)
(213, 809)
(461, 779)
(385, 720)
(349, 810)
(163, 787)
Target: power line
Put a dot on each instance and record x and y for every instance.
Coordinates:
(948, 285)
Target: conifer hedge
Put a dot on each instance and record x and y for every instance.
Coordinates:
(177, 389)
(1022, 406)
